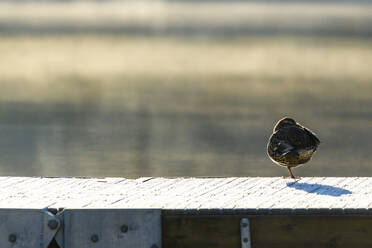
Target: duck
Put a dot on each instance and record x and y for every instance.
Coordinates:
(291, 144)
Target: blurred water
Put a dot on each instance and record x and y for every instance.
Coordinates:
(189, 96)
(91, 140)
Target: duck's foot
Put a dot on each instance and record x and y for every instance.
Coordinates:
(295, 177)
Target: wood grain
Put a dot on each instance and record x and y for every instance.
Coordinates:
(188, 194)
(274, 231)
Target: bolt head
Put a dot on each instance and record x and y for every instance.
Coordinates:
(94, 238)
(154, 246)
(124, 228)
(53, 224)
(244, 224)
(245, 240)
(12, 238)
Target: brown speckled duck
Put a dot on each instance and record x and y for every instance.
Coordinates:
(291, 144)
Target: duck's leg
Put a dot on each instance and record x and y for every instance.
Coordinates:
(290, 172)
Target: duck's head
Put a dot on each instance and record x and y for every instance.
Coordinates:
(285, 122)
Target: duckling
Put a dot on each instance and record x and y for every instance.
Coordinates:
(291, 144)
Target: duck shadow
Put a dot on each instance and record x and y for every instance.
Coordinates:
(319, 189)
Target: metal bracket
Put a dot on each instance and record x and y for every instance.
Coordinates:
(245, 233)
(110, 228)
(27, 228)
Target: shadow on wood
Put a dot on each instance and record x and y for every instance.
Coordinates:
(319, 189)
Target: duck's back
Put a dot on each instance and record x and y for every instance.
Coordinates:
(292, 145)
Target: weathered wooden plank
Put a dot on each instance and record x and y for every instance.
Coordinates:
(187, 194)
(206, 212)
(297, 198)
(211, 199)
(188, 231)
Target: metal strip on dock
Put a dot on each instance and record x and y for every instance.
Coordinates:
(27, 228)
(245, 233)
(111, 228)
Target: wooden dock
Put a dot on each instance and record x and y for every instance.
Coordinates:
(188, 212)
